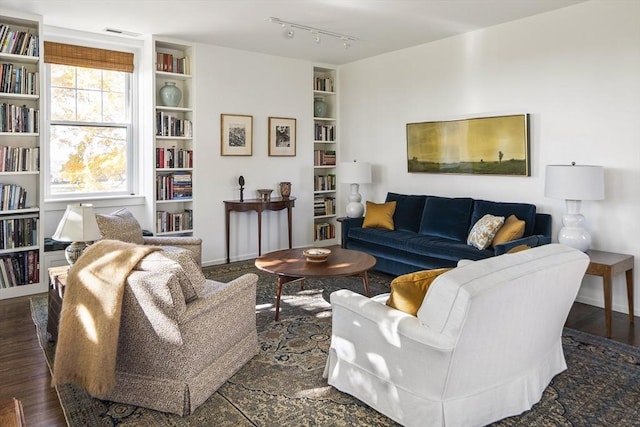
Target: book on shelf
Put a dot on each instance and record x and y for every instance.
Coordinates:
(19, 159)
(12, 197)
(170, 125)
(18, 42)
(170, 221)
(325, 182)
(323, 84)
(18, 119)
(170, 63)
(173, 158)
(19, 268)
(324, 158)
(174, 186)
(324, 231)
(18, 80)
(325, 132)
(324, 205)
(18, 232)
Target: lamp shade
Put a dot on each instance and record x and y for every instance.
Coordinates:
(574, 182)
(78, 224)
(355, 172)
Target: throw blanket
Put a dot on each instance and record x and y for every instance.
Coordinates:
(90, 317)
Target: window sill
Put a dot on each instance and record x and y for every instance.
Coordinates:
(98, 202)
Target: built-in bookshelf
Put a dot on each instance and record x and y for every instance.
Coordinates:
(325, 139)
(173, 138)
(21, 242)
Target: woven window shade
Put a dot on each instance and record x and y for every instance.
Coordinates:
(89, 57)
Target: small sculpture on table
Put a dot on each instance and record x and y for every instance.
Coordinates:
(241, 182)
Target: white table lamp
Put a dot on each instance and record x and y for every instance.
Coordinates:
(574, 183)
(78, 226)
(355, 173)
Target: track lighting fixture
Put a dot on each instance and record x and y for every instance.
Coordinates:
(315, 32)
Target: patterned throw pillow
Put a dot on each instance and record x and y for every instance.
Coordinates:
(180, 262)
(408, 290)
(379, 215)
(120, 225)
(484, 231)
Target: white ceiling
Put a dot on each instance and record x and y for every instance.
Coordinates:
(379, 25)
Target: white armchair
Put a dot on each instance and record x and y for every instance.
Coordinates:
(485, 344)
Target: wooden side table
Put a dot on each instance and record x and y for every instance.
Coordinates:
(606, 265)
(57, 283)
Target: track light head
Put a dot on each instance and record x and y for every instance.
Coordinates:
(317, 38)
(289, 33)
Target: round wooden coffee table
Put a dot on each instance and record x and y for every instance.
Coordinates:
(290, 265)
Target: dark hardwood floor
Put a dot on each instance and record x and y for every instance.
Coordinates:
(24, 373)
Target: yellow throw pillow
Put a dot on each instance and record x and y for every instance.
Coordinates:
(512, 229)
(408, 291)
(379, 215)
(518, 248)
(483, 231)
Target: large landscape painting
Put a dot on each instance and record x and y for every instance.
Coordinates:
(484, 145)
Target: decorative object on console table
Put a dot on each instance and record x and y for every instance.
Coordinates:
(574, 183)
(170, 94)
(355, 173)
(285, 189)
(236, 135)
(241, 183)
(282, 137)
(79, 226)
(264, 194)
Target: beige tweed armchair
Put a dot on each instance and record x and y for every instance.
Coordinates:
(122, 225)
(181, 335)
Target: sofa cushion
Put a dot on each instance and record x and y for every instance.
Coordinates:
(408, 290)
(120, 225)
(180, 262)
(408, 211)
(512, 229)
(446, 217)
(523, 211)
(483, 231)
(379, 215)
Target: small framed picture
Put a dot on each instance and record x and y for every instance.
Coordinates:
(282, 136)
(236, 135)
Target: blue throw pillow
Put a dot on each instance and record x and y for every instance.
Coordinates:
(408, 211)
(446, 217)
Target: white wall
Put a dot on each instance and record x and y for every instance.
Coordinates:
(575, 70)
(237, 82)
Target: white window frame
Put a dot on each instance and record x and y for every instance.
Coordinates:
(134, 170)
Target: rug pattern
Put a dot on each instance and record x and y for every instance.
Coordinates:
(283, 384)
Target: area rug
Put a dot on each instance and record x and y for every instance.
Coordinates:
(283, 384)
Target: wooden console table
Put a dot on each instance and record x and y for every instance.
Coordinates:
(257, 205)
(606, 265)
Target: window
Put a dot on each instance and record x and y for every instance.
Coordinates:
(90, 130)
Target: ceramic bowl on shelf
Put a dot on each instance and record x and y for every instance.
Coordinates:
(316, 254)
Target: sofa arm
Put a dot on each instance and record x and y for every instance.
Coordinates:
(531, 241)
(348, 223)
(191, 243)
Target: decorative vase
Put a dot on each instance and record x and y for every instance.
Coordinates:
(170, 94)
(319, 107)
(285, 190)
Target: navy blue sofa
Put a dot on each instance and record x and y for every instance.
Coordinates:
(431, 232)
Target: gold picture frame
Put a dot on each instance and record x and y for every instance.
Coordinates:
(282, 136)
(484, 146)
(236, 135)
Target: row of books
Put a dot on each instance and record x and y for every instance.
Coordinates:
(172, 64)
(325, 132)
(324, 158)
(168, 221)
(19, 80)
(324, 84)
(12, 197)
(173, 158)
(324, 231)
(174, 186)
(324, 183)
(324, 206)
(18, 42)
(168, 125)
(19, 159)
(15, 118)
(20, 268)
(18, 232)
